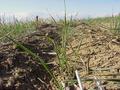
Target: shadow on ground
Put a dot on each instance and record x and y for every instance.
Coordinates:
(18, 70)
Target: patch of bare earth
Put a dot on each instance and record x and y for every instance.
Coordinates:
(20, 71)
(98, 55)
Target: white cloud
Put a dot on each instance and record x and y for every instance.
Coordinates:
(20, 15)
(17, 15)
(10, 16)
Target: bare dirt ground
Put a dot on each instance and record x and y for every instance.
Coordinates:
(100, 51)
(18, 70)
(98, 48)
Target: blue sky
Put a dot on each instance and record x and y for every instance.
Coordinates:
(85, 8)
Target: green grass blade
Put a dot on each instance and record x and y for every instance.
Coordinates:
(39, 59)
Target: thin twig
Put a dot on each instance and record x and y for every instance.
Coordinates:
(78, 79)
(98, 83)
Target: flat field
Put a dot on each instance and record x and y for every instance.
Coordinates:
(44, 54)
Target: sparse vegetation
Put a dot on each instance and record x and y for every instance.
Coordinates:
(91, 46)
